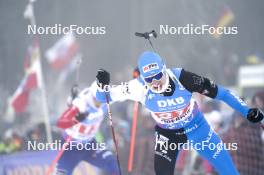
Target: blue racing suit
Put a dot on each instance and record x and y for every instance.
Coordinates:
(179, 119)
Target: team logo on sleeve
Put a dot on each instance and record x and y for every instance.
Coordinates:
(150, 67)
(150, 96)
(238, 99)
(197, 80)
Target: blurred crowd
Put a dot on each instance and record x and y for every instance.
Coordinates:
(13, 140)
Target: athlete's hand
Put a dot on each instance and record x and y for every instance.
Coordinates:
(103, 78)
(74, 91)
(255, 115)
(80, 117)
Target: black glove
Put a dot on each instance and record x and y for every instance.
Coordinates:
(74, 94)
(80, 117)
(74, 91)
(103, 78)
(255, 115)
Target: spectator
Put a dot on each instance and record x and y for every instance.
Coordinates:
(249, 157)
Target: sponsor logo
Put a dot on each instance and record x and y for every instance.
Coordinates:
(150, 96)
(219, 148)
(170, 102)
(174, 115)
(162, 142)
(150, 67)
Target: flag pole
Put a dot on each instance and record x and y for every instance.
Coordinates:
(29, 13)
(133, 138)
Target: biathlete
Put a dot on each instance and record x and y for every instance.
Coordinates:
(167, 94)
(81, 121)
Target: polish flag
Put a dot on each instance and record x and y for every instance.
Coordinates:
(31, 80)
(62, 52)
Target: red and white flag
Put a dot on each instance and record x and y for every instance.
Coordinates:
(61, 54)
(30, 81)
(73, 66)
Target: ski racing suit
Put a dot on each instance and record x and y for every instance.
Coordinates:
(83, 145)
(179, 119)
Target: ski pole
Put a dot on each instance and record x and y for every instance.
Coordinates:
(58, 156)
(112, 129)
(147, 36)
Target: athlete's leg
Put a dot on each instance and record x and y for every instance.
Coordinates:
(165, 155)
(206, 141)
(67, 162)
(102, 158)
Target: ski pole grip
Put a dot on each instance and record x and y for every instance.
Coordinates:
(147, 35)
(140, 34)
(153, 33)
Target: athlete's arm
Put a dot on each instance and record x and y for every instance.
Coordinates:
(195, 83)
(131, 90)
(76, 111)
(70, 117)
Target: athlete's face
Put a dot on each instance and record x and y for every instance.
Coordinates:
(156, 82)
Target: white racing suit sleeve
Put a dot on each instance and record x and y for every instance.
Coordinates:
(81, 100)
(131, 90)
